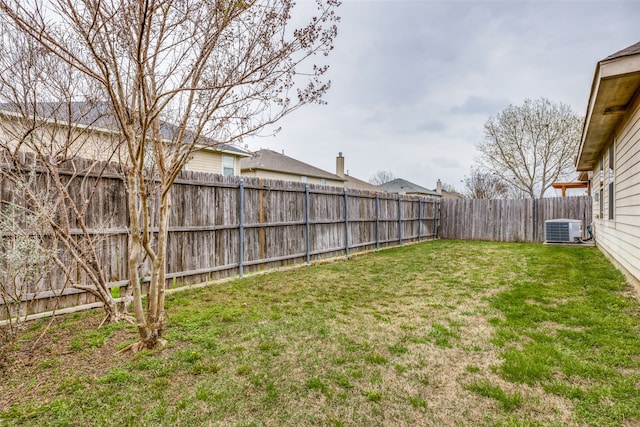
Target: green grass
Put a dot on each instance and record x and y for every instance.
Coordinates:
(569, 319)
(439, 333)
(507, 401)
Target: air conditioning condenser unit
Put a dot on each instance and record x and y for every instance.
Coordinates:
(562, 230)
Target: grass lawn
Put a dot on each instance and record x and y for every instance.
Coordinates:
(434, 334)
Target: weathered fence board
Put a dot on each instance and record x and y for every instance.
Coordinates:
(509, 220)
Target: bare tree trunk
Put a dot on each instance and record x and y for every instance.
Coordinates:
(158, 280)
(135, 255)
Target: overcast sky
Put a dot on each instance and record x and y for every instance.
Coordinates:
(414, 81)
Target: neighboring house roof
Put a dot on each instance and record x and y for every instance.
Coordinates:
(99, 115)
(269, 160)
(96, 114)
(399, 185)
(616, 84)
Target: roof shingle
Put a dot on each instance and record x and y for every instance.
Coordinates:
(277, 162)
(627, 51)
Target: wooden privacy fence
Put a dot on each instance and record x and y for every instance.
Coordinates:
(223, 226)
(509, 220)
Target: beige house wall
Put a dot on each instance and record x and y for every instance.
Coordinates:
(260, 173)
(80, 141)
(619, 237)
(210, 161)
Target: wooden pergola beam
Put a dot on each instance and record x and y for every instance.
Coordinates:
(573, 184)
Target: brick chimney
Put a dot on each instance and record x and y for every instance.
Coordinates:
(439, 187)
(340, 165)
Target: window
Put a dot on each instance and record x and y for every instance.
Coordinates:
(228, 165)
(611, 179)
(323, 181)
(304, 178)
(601, 190)
(601, 205)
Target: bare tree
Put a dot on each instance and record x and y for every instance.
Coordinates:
(484, 185)
(381, 177)
(178, 75)
(450, 188)
(531, 146)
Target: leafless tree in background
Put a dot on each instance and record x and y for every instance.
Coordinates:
(449, 187)
(531, 146)
(215, 70)
(381, 177)
(484, 185)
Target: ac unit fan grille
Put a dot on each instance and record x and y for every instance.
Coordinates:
(557, 232)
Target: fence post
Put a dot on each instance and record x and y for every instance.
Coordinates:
(241, 229)
(308, 227)
(419, 217)
(399, 221)
(346, 223)
(261, 232)
(377, 221)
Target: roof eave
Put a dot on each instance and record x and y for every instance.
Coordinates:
(580, 160)
(222, 149)
(615, 86)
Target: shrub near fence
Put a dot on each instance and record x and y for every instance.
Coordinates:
(223, 226)
(519, 220)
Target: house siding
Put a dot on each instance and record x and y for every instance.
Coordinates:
(210, 162)
(205, 161)
(93, 144)
(619, 237)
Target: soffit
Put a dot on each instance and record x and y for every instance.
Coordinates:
(614, 89)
